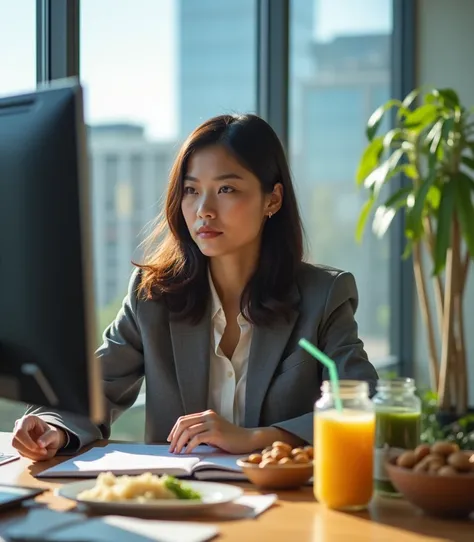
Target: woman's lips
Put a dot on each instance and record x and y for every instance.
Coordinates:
(209, 234)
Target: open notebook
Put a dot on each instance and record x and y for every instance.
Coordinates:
(205, 463)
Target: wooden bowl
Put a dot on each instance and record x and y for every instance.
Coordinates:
(445, 496)
(277, 476)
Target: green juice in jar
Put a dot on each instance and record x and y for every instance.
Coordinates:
(397, 426)
(396, 429)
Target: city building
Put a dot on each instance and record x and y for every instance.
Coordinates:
(129, 174)
(351, 78)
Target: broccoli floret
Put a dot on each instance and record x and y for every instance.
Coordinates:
(179, 489)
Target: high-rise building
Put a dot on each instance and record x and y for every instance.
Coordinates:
(129, 176)
(217, 42)
(301, 70)
(351, 79)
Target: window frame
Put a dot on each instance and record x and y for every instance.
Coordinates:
(58, 56)
(57, 39)
(401, 279)
(273, 43)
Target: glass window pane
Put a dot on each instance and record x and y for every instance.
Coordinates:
(17, 46)
(17, 74)
(340, 72)
(152, 73)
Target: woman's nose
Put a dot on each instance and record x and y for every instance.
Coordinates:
(205, 208)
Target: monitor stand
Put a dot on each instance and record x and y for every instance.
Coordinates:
(33, 371)
(16, 374)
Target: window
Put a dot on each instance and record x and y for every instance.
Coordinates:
(111, 174)
(151, 77)
(339, 73)
(110, 288)
(136, 167)
(216, 58)
(161, 167)
(17, 46)
(18, 74)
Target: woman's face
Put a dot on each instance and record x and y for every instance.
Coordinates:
(223, 203)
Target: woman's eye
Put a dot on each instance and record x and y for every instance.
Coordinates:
(189, 190)
(226, 189)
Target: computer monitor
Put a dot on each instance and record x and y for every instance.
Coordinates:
(47, 330)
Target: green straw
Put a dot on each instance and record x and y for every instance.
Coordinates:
(331, 366)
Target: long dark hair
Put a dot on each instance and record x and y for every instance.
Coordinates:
(176, 270)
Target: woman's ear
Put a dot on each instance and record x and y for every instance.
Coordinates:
(274, 200)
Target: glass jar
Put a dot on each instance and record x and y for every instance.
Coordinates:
(398, 421)
(344, 446)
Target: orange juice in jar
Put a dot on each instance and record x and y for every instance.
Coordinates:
(344, 447)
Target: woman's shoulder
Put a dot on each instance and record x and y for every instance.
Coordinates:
(317, 272)
(312, 277)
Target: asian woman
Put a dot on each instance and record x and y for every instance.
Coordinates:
(213, 314)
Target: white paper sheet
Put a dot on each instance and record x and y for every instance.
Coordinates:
(123, 459)
(245, 507)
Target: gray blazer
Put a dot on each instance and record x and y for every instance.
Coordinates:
(283, 381)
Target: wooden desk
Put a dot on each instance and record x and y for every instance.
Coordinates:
(296, 516)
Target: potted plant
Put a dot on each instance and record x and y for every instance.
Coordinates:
(431, 144)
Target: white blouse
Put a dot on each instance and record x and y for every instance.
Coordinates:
(227, 377)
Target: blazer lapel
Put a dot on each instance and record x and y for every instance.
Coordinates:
(268, 344)
(191, 344)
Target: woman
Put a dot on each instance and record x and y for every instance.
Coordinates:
(213, 318)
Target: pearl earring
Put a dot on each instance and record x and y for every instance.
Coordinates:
(270, 214)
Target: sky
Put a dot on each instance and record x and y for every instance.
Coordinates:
(338, 17)
(129, 53)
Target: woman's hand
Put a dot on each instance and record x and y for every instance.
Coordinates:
(36, 439)
(210, 428)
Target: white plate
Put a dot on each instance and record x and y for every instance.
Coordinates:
(213, 494)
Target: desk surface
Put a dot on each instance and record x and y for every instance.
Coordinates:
(297, 516)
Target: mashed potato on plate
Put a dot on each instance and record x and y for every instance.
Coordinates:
(144, 488)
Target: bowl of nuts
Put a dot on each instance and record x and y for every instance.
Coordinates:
(280, 466)
(439, 478)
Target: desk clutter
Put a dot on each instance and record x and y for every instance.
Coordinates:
(387, 519)
(45, 525)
